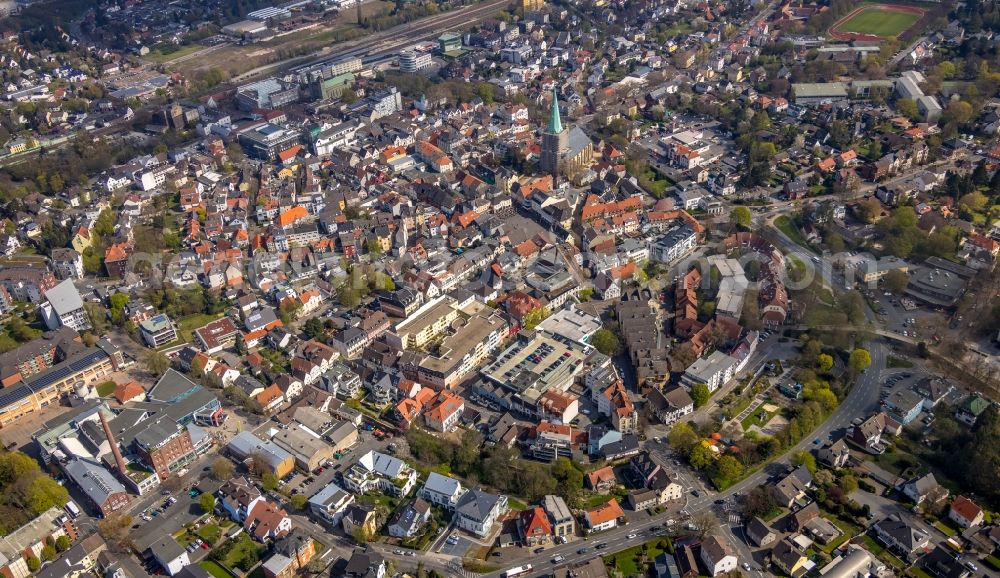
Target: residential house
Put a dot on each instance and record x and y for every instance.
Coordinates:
(360, 520)
(237, 497)
(560, 516)
(669, 405)
(971, 409)
(604, 517)
(442, 491)
(169, 555)
(717, 556)
(902, 536)
(407, 521)
(792, 487)
(759, 532)
(602, 480)
(329, 504)
(965, 512)
(477, 511)
(835, 455)
(362, 564)
(924, 488)
(534, 526)
(789, 558)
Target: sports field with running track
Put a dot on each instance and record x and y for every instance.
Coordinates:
(876, 21)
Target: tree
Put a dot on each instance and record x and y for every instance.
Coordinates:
(532, 318)
(361, 535)
(206, 502)
(289, 310)
(115, 528)
(269, 481)
(759, 501)
(700, 457)
(48, 552)
(908, 108)
(824, 362)
(299, 501)
(805, 458)
(700, 394)
(974, 201)
(703, 522)
(741, 217)
(606, 342)
(869, 209)
(682, 437)
(896, 281)
(33, 563)
(485, 92)
(63, 543)
(315, 329)
(729, 468)
(156, 362)
(860, 359)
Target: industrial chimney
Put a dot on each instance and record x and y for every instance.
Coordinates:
(119, 460)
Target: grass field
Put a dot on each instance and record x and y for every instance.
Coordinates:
(160, 57)
(214, 569)
(107, 388)
(879, 22)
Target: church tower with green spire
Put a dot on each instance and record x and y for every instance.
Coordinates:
(554, 140)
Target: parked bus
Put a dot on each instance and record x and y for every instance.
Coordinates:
(518, 571)
(72, 509)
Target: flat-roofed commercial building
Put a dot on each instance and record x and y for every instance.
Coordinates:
(45, 388)
(426, 323)
(463, 350)
(536, 364)
(939, 282)
(820, 93)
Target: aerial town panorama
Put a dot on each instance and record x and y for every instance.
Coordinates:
(499, 289)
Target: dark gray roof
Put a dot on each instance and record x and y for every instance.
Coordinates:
(476, 504)
(171, 386)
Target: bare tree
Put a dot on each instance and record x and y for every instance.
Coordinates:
(703, 523)
(222, 469)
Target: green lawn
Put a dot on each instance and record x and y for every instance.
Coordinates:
(160, 57)
(106, 389)
(945, 528)
(754, 418)
(879, 21)
(186, 325)
(629, 562)
(849, 531)
(516, 504)
(210, 533)
(214, 569)
(241, 552)
(595, 500)
(897, 363)
(992, 561)
(786, 226)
